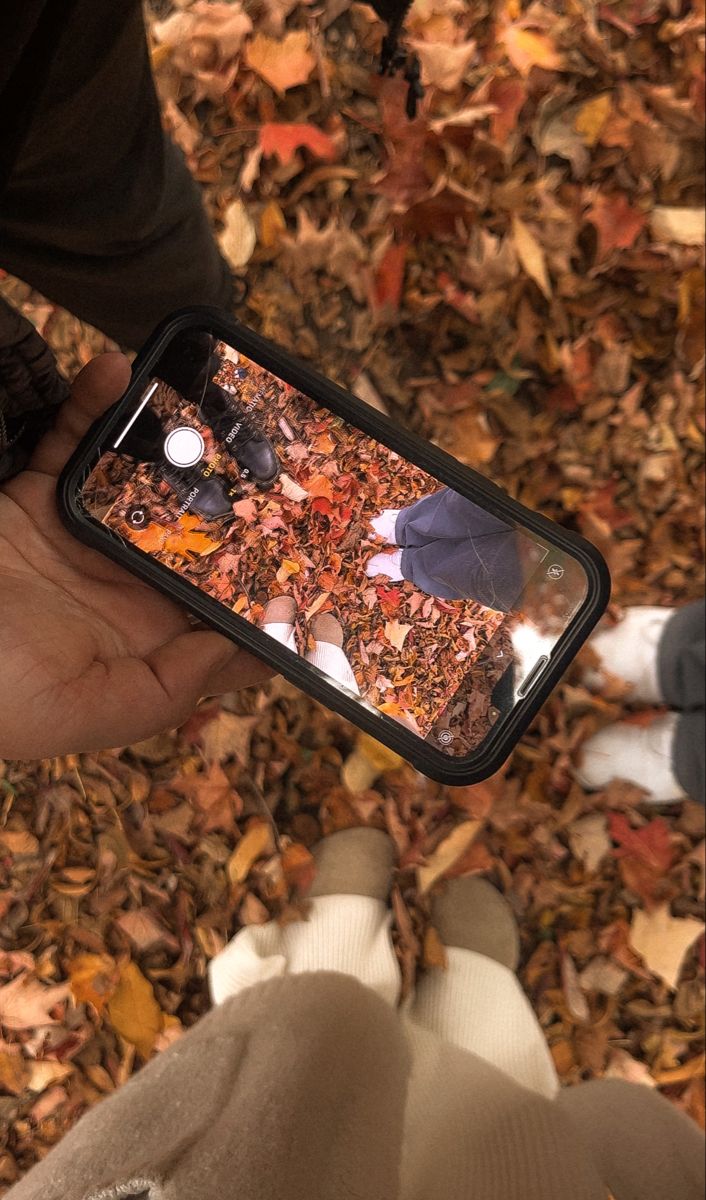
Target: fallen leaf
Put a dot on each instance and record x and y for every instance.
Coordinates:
(227, 735)
(299, 867)
(255, 843)
(45, 1073)
(26, 1003)
(433, 950)
(645, 856)
(527, 49)
(367, 762)
(573, 995)
(133, 1010)
(447, 854)
(589, 841)
(604, 976)
(444, 65)
(396, 633)
(284, 140)
(531, 255)
(93, 978)
(685, 226)
(592, 116)
(238, 238)
(389, 277)
(144, 930)
(14, 1070)
(19, 842)
(662, 941)
(272, 224)
(283, 63)
(617, 223)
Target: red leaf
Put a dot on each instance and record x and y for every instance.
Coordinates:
(284, 140)
(645, 856)
(509, 96)
(322, 505)
(389, 277)
(616, 223)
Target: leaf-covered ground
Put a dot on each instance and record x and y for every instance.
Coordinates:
(517, 274)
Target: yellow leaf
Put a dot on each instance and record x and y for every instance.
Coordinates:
(526, 49)
(133, 1010)
(447, 853)
(531, 255)
(94, 979)
(590, 120)
(368, 760)
(272, 225)
(289, 567)
(253, 845)
(282, 63)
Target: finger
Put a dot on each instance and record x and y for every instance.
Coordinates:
(244, 671)
(95, 388)
(129, 699)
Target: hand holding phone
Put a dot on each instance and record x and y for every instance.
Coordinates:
(89, 657)
(373, 570)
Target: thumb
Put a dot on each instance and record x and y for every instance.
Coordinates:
(94, 389)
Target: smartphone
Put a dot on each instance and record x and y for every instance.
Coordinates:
(374, 571)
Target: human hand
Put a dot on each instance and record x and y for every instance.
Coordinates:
(90, 657)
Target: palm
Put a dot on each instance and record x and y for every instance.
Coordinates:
(89, 656)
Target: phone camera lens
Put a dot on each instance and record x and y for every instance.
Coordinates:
(137, 518)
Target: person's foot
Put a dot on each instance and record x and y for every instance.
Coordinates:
(385, 564)
(206, 498)
(241, 437)
(281, 610)
(471, 914)
(641, 754)
(630, 650)
(354, 862)
(327, 628)
(385, 525)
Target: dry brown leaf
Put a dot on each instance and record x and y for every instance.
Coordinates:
(663, 941)
(19, 842)
(589, 840)
(604, 976)
(531, 255)
(396, 633)
(443, 65)
(433, 950)
(144, 930)
(133, 1010)
(527, 49)
(447, 853)
(227, 736)
(283, 63)
(26, 1003)
(93, 979)
(255, 843)
(14, 1070)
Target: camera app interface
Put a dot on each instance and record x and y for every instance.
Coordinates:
(402, 592)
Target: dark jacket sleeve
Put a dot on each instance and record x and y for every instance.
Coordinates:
(31, 389)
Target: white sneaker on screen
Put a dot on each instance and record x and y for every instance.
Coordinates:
(641, 754)
(385, 564)
(385, 525)
(630, 650)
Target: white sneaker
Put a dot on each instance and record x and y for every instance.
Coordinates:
(641, 754)
(385, 525)
(385, 564)
(630, 650)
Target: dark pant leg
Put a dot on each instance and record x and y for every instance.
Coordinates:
(689, 754)
(682, 658)
(456, 550)
(682, 669)
(101, 213)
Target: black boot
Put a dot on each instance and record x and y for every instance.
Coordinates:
(239, 434)
(204, 497)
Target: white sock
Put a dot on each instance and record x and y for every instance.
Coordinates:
(333, 662)
(385, 524)
(385, 564)
(348, 934)
(630, 650)
(641, 754)
(478, 1005)
(282, 632)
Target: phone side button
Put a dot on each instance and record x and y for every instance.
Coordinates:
(534, 674)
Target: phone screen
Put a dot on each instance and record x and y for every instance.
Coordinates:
(414, 599)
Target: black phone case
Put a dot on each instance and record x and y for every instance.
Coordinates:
(432, 762)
